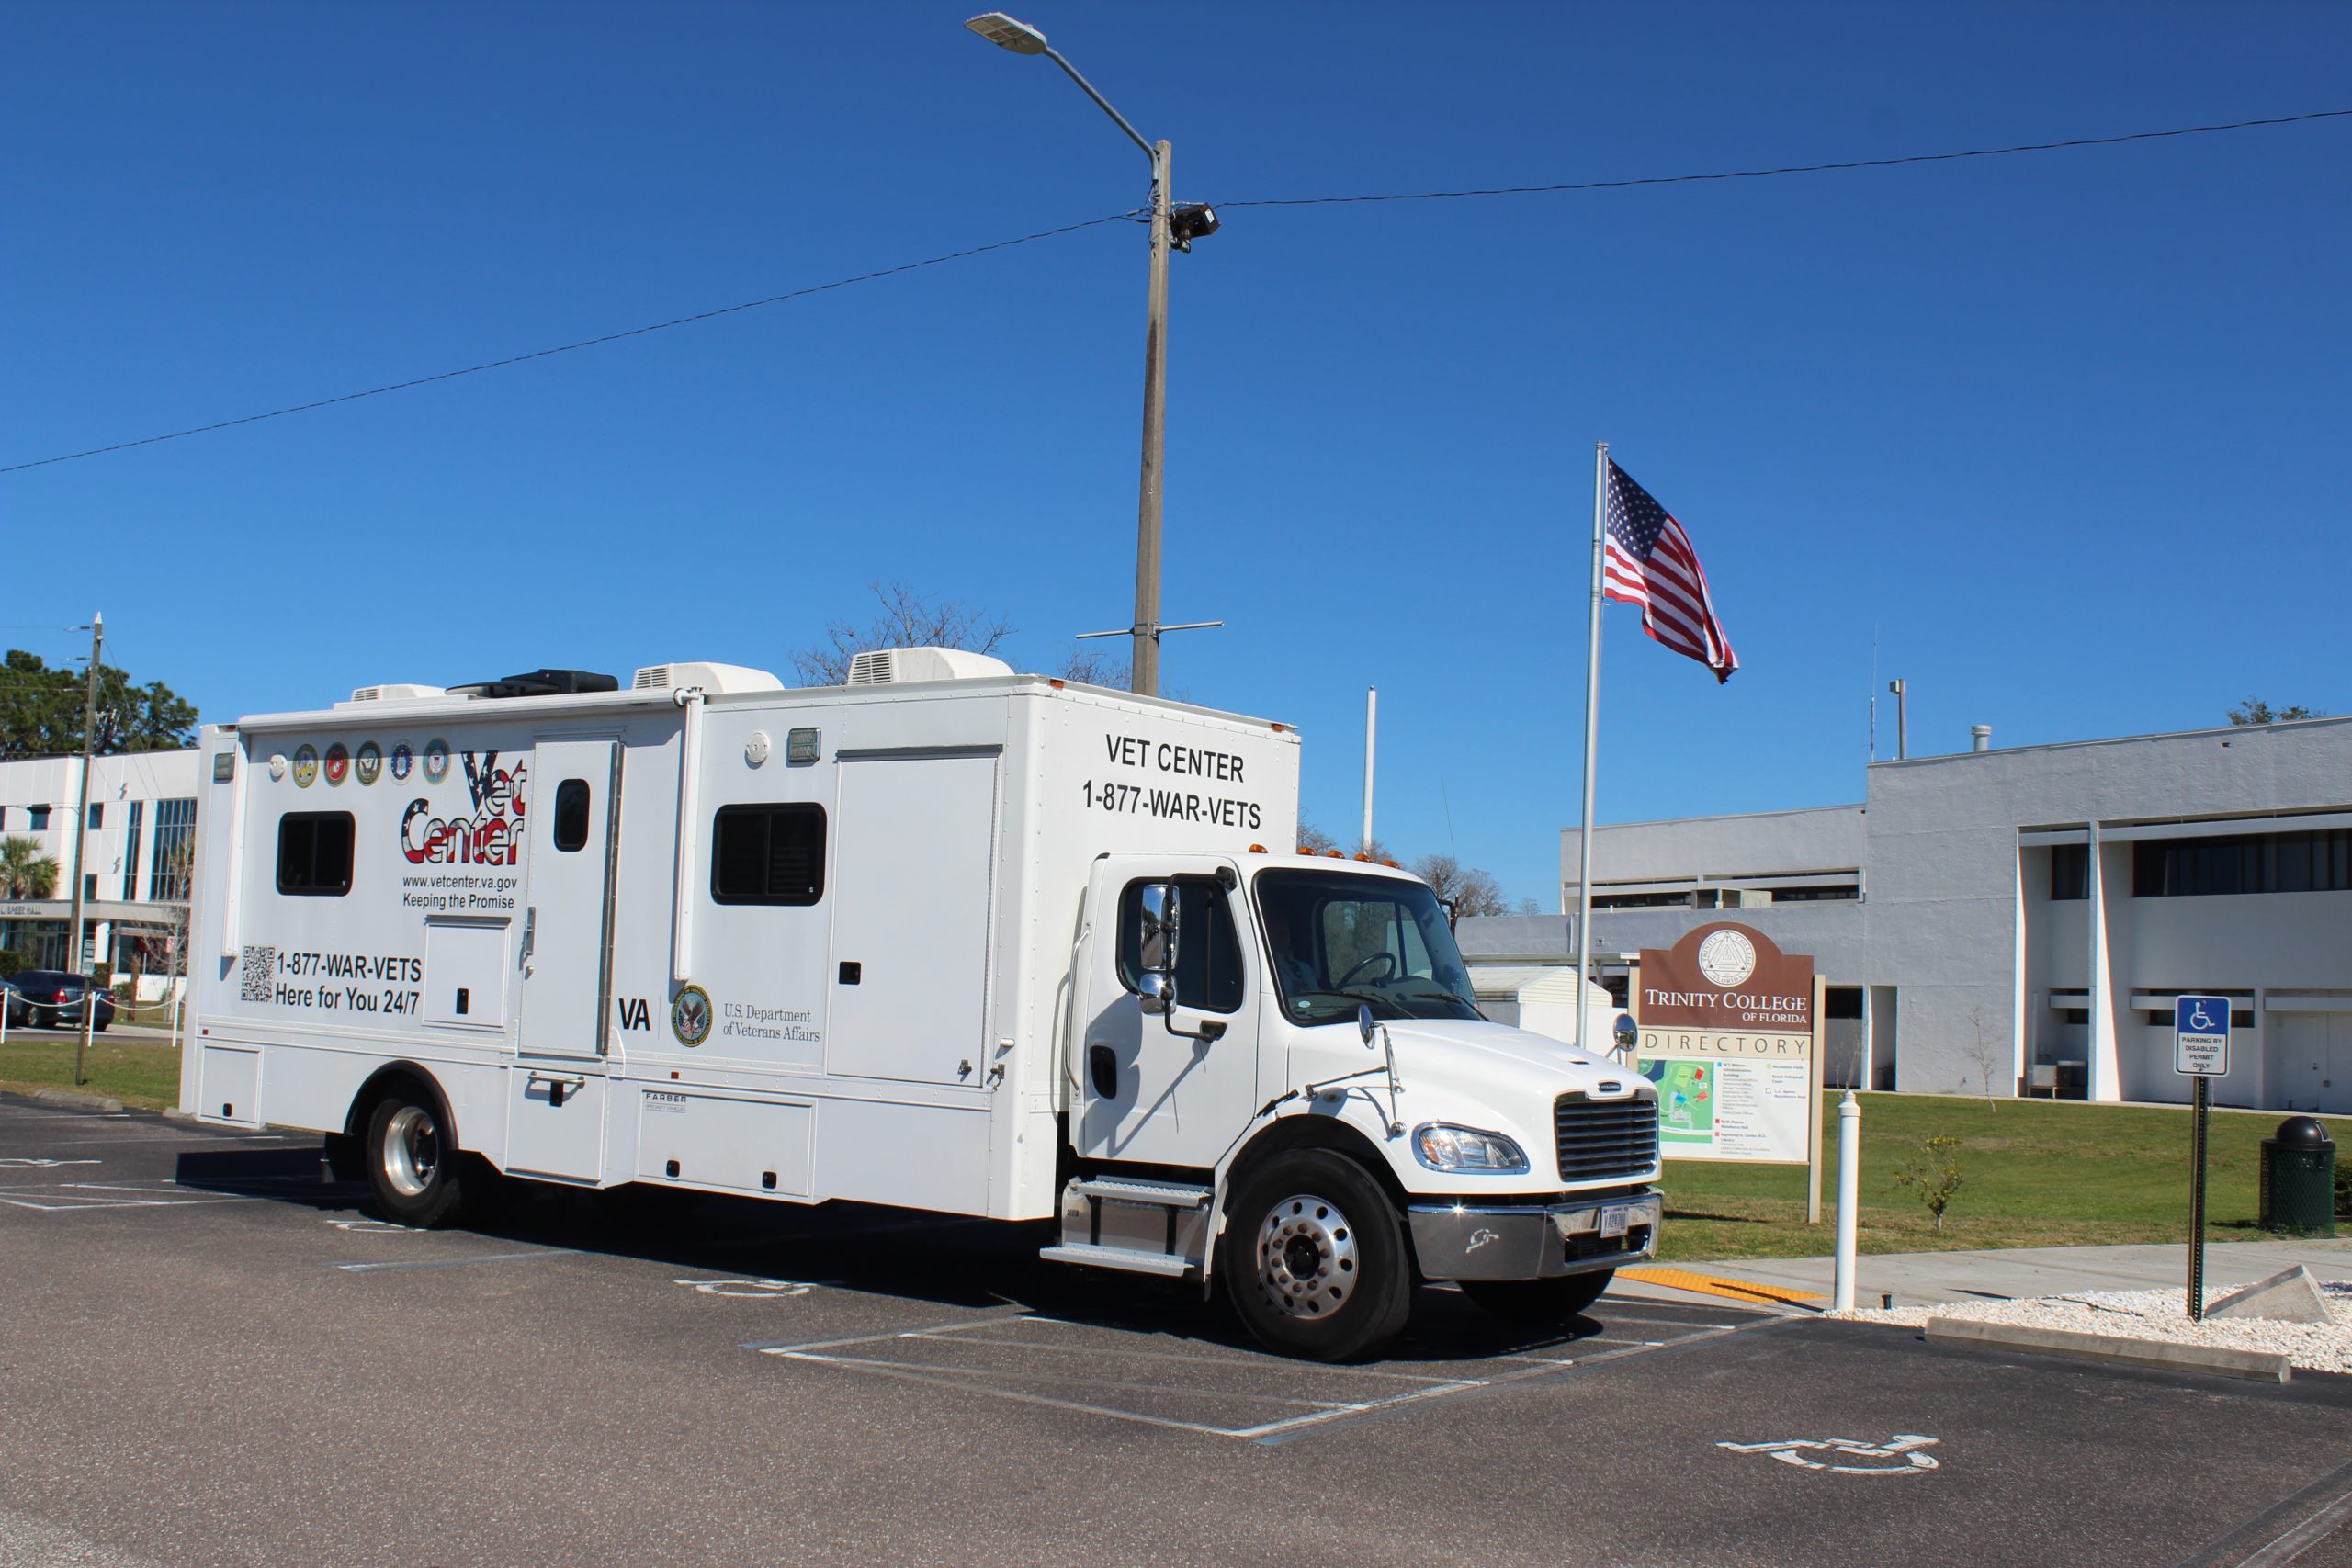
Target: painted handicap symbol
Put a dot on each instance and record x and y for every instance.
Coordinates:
(747, 1287)
(1904, 1447)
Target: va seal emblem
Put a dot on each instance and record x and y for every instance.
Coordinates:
(690, 1015)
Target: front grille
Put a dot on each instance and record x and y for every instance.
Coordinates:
(1600, 1139)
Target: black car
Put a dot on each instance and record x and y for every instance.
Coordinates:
(51, 999)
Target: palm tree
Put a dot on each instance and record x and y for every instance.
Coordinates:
(25, 871)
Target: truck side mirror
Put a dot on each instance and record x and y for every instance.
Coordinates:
(1156, 929)
(1155, 993)
(1626, 1034)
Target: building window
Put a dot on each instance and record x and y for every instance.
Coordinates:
(2269, 863)
(315, 853)
(89, 887)
(175, 849)
(98, 815)
(1602, 900)
(39, 815)
(130, 853)
(2070, 872)
(768, 855)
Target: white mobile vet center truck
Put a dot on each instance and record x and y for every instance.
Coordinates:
(947, 937)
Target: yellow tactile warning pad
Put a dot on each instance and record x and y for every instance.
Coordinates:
(1718, 1285)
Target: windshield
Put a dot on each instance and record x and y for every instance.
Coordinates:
(1338, 939)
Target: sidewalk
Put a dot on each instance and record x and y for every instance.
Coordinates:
(1918, 1278)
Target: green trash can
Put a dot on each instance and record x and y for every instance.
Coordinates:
(2299, 1179)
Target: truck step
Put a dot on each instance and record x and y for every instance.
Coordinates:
(1129, 1190)
(1126, 1258)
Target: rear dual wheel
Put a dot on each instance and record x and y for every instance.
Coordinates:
(412, 1163)
(1314, 1259)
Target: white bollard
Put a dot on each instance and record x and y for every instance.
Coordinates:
(1850, 1189)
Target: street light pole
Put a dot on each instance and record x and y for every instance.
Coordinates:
(82, 843)
(1145, 675)
(1020, 38)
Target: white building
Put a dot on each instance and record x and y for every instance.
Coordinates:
(2023, 918)
(133, 868)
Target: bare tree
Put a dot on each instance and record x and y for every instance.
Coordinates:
(1986, 1053)
(906, 619)
(1529, 906)
(1470, 890)
(1087, 665)
(1313, 838)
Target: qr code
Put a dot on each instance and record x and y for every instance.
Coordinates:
(261, 968)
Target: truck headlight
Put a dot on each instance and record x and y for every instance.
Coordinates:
(1442, 1146)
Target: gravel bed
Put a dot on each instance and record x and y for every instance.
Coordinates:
(2153, 1315)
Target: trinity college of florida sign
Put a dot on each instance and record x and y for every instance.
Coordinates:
(1730, 1034)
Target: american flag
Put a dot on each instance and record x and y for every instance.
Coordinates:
(1648, 561)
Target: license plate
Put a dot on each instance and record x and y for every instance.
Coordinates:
(1615, 1218)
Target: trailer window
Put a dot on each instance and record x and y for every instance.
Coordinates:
(315, 853)
(768, 855)
(572, 815)
(1208, 954)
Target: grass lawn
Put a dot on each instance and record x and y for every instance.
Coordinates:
(137, 1072)
(2035, 1173)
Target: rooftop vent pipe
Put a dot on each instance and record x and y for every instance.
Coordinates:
(1980, 737)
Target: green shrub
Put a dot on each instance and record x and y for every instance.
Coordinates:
(11, 961)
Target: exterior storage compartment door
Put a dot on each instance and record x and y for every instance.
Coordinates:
(914, 860)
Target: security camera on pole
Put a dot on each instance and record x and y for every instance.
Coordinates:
(1171, 224)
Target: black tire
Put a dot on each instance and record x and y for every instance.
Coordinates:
(1539, 1303)
(414, 1164)
(1311, 1209)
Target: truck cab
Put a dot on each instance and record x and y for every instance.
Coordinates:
(1275, 1074)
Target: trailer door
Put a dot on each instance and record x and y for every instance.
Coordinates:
(567, 929)
(914, 860)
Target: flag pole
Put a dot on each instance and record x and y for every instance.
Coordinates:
(1592, 741)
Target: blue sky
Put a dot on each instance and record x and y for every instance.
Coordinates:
(2068, 429)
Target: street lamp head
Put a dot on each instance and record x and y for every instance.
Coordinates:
(1192, 222)
(1005, 33)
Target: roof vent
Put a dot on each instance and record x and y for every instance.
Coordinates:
(391, 691)
(899, 666)
(716, 680)
(541, 684)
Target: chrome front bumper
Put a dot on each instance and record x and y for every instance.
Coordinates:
(1532, 1241)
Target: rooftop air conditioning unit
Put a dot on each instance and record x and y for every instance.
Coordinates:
(393, 692)
(716, 680)
(899, 666)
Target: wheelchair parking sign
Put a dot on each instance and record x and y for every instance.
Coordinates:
(2201, 1037)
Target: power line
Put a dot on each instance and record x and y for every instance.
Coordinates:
(1794, 168)
(573, 348)
(1118, 217)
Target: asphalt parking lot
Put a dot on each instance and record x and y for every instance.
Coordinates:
(208, 1355)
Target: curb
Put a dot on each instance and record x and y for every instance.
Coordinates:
(78, 1100)
(2262, 1366)
(173, 1113)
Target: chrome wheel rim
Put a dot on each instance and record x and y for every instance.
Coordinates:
(411, 1151)
(1307, 1258)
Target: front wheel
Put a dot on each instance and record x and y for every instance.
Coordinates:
(1314, 1259)
(412, 1162)
(1547, 1302)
